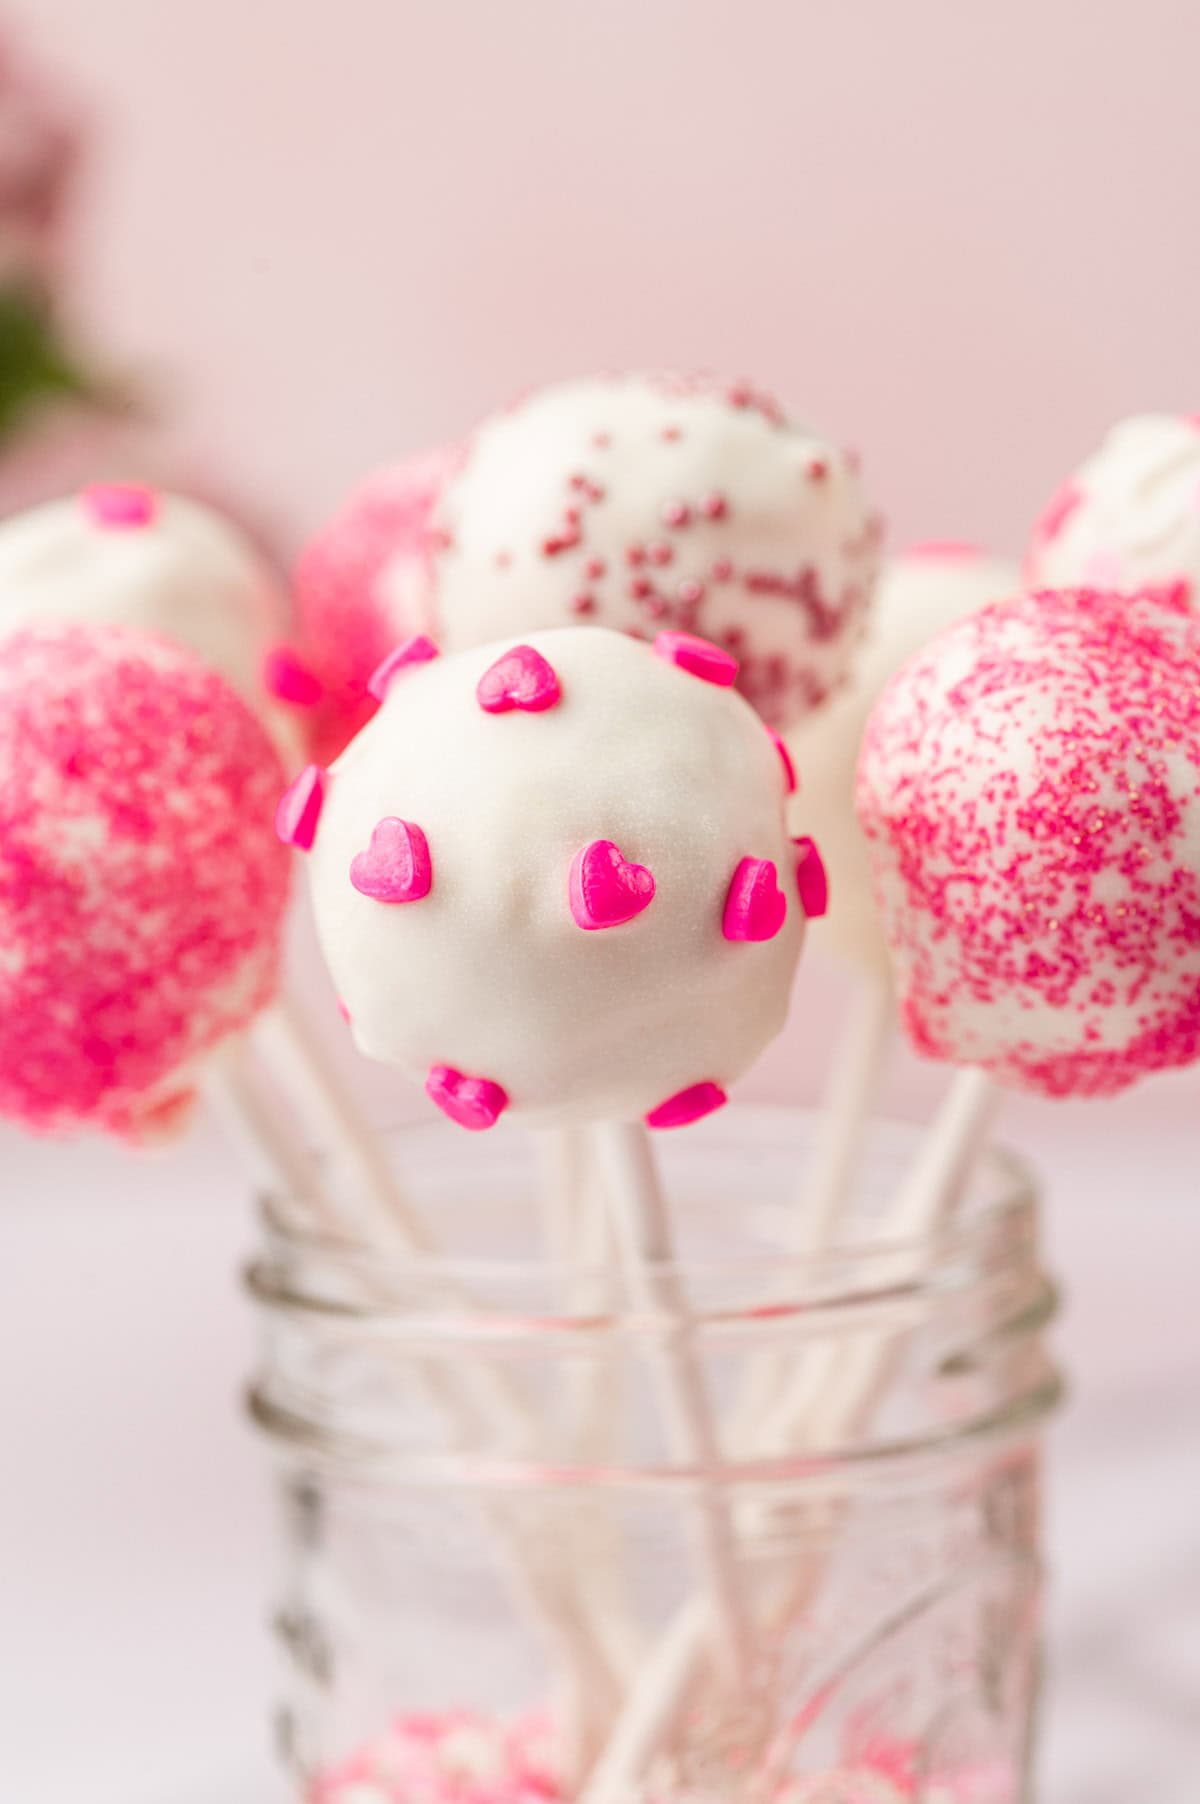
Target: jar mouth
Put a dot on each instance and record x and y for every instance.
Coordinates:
(736, 1231)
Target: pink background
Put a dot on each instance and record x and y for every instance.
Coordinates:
(960, 235)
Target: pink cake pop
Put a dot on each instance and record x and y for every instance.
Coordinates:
(1030, 786)
(638, 502)
(450, 1757)
(553, 878)
(141, 889)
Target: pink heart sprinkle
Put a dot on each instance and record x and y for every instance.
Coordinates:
(288, 678)
(417, 650)
(604, 889)
(473, 1102)
(121, 504)
(812, 885)
(785, 758)
(698, 657)
(520, 679)
(300, 807)
(687, 1106)
(396, 867)
(756, 907)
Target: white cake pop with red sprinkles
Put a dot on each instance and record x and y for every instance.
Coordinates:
(920, 594)
(128, 555)
(1030, 786)
(552, 878)
(142, 891)
(1129, 518)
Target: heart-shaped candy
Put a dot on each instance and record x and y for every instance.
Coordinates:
(756, 907)
(812, 884)
(299, 809)
(417, 650)
(698, 657)
(520, 679)
(473, 1102)
(396, 867)
(604, 889)
(687, 1106)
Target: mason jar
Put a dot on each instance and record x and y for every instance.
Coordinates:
(491, 1588)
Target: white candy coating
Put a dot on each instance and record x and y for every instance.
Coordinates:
(920, 594)
(642, 503)
(1130, 515)
(490, 972)
(182, 572)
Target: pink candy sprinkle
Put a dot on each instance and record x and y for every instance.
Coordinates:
(756, 907)
(120, 504)
(698, 657)
(676, 513)
(604, 889)
(687, 1106)
(521, 679)
(417, 650)
(473, 1102)
(812, 884)
(396, 867)
(288, 678)
(785, 758)
(299, 809)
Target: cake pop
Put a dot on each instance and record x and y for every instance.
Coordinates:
(641, 503)
(920, 594)
(127, 555)
(142, 892)
(553, 878)
(1130, 516)
(1030, 787)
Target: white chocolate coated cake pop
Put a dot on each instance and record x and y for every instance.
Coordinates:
(127, 555)
(1129, 518)
(1030, 787)
(920, 594)
(553, 877)
(142, 891)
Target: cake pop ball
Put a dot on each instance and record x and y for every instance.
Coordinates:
(543, 909)
(646, 503)
(1129, 518)
(920, 594)
(127, 555)
(1030, 788)
(142, 892)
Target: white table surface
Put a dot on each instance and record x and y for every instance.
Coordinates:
(134, 1511)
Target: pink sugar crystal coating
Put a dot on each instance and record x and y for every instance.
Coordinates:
(1031, 788)
(396, 867)
(521, 679)
(287, 677)
(299, 809)
(604, 889)
(472, 1102)
(697, 657)
(687, 1106)
(812, 884)
(361, 585)
(756, 907)
(418, 650)
(120, 504)
(142, 891)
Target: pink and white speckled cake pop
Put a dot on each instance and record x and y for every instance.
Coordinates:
(450, 1757)
(364, 584)
(553, 876)
(920, 594)
(127, 555)
(1030, 786)
(1130, 516)
(636, 502)
(142, 891)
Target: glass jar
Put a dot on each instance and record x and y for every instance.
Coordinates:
(492, 1592)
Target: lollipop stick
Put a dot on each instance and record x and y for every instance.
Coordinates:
(926, 1200)
(643, 1232)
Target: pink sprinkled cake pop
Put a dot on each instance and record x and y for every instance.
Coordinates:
(450, 1757)
(1030, 786)
(553, 877)
(1129, 518)
(641, 503)
(142, 892)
